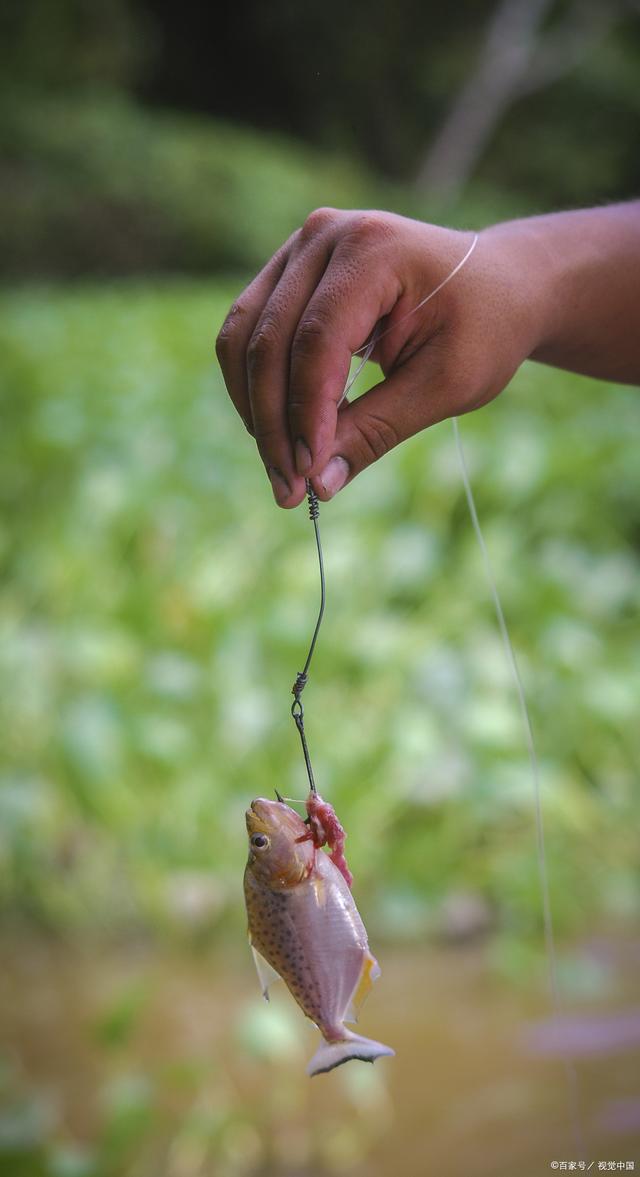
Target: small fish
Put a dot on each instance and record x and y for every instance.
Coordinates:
(304, 927)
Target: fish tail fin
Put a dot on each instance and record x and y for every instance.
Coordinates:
(332, 1054)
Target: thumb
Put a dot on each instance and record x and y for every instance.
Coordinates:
(416, 395)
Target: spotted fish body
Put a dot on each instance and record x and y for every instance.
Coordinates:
(304, 927)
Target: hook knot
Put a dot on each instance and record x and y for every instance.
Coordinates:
(314, 505)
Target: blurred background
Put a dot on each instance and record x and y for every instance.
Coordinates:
(155, 606)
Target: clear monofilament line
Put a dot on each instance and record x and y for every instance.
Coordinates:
(367, 348)
(569, 1065)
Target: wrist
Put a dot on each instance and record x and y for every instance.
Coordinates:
(525, 263)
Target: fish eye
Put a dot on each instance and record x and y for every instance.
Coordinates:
(259, 841)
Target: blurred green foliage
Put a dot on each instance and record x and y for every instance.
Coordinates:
(67, 44)
(99, 176)
(155, 606)
(103, 186)
(372, 81)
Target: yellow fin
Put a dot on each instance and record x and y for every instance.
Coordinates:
(368, 974)
(320, 889)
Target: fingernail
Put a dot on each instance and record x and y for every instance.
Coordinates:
(304, 461)
(334, 475)
(279, 485)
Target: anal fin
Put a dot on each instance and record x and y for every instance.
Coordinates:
(368, 974)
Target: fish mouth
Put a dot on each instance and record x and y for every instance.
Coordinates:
(273, 817)
(256, 820)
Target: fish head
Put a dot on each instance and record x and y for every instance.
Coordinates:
(280, 851)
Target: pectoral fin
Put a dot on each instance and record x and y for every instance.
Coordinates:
(266, 974)
(369, 973)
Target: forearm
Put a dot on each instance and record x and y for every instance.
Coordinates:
(582, 271)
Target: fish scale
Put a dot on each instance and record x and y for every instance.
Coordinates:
(274, 936)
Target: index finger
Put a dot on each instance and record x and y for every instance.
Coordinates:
(238, 327)
(355, 292)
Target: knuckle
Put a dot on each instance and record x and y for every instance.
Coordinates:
(261, 347)
(227, 333)
(376, 436)
(371, 228)
(298, 403)
(317, 222)
(299, 409)
(268, 440)
(223, 342)
(306, 410)
(309, 338)
(268, 434)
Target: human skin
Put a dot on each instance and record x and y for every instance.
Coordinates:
(562, 289)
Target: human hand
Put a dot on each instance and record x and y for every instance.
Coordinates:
(286, 345)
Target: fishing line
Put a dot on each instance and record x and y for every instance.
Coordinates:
(543, 873)
(367, 348)
(297, 709)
